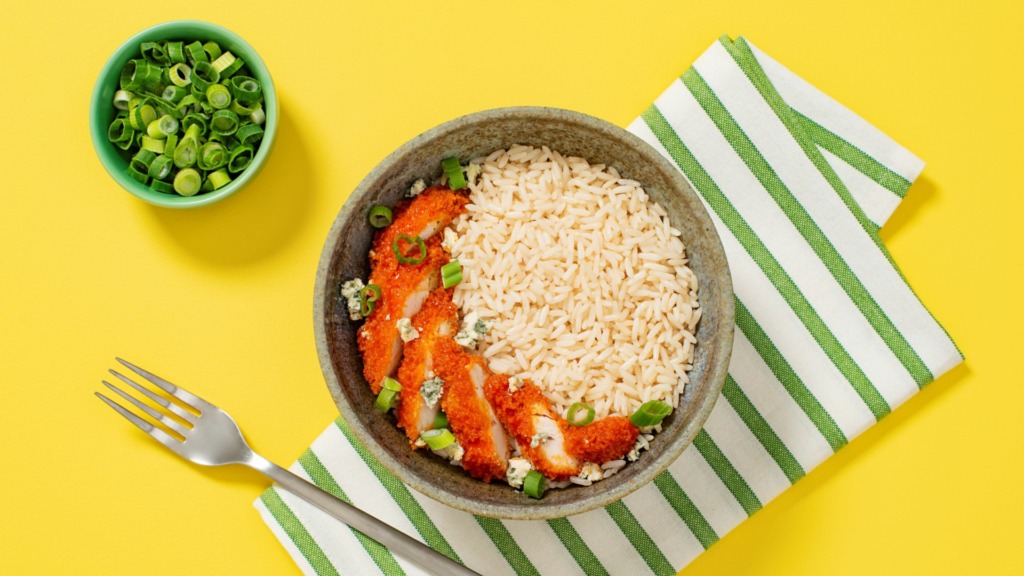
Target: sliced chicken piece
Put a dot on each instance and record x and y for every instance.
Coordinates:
(470, 416)
(437, 320)
(555, 448)
(404, 287)
(529, 417)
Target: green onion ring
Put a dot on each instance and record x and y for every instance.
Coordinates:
(368, 297)
(650, 413)
(451, 274)
(161, 168)
(176, 52)
(452, 168)
(218, 96)
(218, 178)
(573, 417)
(203, 75)
(421, 249)
(388, 396)
(438, 438)
(240, 158)
(187, 182)
(534, 484)
(249, 133)
(212, 50)
(195, 52)
(379, 216)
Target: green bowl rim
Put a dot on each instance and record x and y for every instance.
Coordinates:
(124, 53)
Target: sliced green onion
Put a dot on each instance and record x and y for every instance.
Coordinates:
(388, 396)
(534, 484)
(170, 143)
(223, 61)
(240, 158)
(246, 90)
(187, 182)
(162, 127)
(139, 74)
(161, 168)
(218, 96)
(417, 242)
(379, 216)
(203, 75)
(174, 94)
(441, 420)
(141, 116)
(195, 52)
(142, 159)
(650, 413)
(212, 50)
(152, 144)
(140, 176)
(186, 153)
(176, 52)
(161, 186)
(249, 133)
(224, 122)
(451, 274)
(230, 70)
(241, 109)
(212, 156)
(180, 75)
(122, 98)
(154, 53)
(218, 178)
(119, 131)
(368, 297)
(258, 116)
(438, 438)
(575, 418)
(452, 168)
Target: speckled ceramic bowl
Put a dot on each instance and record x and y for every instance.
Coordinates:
(345, 257)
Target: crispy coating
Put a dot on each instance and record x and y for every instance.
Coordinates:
(527, 411)
(470, 416)
(403, 291)
(437, 320)
(604, 440)
(404, 287)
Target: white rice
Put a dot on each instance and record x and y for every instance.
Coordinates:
(584, 277)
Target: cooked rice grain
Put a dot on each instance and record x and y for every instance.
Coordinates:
(585, 278)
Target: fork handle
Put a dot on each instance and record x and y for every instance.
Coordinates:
(390, 537)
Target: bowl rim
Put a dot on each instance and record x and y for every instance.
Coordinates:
(716, 373)
(125, 52)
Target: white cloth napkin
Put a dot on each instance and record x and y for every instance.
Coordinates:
(830, 338)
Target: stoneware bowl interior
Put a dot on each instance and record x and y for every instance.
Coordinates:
(345, 256)
(102, 112)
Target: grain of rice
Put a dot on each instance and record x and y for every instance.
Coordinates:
(584, 276)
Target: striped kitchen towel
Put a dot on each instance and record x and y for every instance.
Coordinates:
(830, 339)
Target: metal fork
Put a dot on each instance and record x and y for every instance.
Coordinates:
(212, 438)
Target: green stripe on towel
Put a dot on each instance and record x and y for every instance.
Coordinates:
(297, 533)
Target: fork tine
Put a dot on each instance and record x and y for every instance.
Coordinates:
(156, 415)
(171, 406)
(158, 434)
(179, 393)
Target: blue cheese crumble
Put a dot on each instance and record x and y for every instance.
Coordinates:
(406, 330)
(472, 330)
(518, 468)
(417, 187)
(350, 292)
(591, 471)
(539, 438)
(515, 383)
(431, 391)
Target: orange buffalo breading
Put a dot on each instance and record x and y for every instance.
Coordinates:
(526, 411)
(403, 290)
(404, 287)
(469, 414)
(604, 440)
(437, 320)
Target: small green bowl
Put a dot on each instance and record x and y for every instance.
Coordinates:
(102, 111)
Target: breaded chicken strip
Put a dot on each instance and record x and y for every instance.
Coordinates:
(437, 320)
(554, 447)
(470, 415)
(404, 287)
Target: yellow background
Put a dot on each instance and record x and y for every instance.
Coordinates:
(220, 298)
